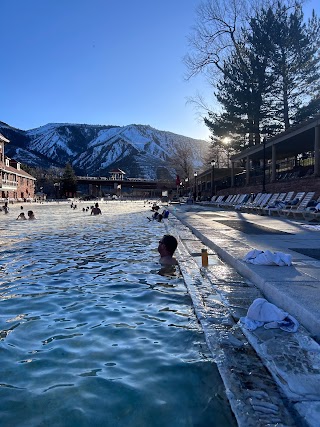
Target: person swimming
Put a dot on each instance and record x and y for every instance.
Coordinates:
(96, 210)
(22, 216)
(31, 215)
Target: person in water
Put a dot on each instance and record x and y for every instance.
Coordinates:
(31, 215)
(167, 246)
(22, 216)
(96, 210)
(6, 208)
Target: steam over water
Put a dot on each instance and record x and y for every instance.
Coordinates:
(90, 333)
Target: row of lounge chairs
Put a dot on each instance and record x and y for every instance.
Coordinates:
(288, 205)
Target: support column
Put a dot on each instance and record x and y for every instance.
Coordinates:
(247, 170)
(232, 174)
(274, 164)
(316, 150)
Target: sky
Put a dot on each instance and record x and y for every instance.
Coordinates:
(107, 62)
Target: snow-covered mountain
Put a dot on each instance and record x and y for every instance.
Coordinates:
(140, 150)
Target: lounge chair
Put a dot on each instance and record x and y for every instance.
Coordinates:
(270, 202)
(298, 213)
(222, 203)
(288, 210)
(231, 202)
(264, 202)
(218, 200)
(241, 201)
(275, 211)
(312, 213)
(274, 202)
(250, 204)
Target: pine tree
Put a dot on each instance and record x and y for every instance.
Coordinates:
(69, 181)
(268, 81)
(294, 62)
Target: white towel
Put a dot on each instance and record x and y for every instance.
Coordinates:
(259, 257)
(263, 313)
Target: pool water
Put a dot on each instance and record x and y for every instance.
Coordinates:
(90, 333)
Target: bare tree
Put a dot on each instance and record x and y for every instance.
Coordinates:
(218, 34)
(182, 159)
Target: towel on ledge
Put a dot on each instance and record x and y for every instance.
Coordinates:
(268, 258)
(264, 313)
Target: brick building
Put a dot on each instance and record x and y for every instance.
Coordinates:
(15, 183)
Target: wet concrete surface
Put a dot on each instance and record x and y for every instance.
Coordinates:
(272, 377)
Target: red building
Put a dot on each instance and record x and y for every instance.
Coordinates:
(15, 183)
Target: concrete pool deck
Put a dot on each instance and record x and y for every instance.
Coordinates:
(293, 360)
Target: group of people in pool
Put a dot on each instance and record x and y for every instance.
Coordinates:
(23, 217)
(156, 216)
(166, 248)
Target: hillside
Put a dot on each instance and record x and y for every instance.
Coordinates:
(140, 150)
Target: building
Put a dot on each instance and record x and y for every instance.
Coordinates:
(15, 183)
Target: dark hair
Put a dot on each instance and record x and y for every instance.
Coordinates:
(170, 243)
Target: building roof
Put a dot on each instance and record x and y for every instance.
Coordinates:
(18, 172)
(3, 139)
(117, 171)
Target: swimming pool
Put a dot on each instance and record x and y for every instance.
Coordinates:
(91, 334)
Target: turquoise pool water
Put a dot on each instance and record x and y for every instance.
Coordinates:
(91, 334)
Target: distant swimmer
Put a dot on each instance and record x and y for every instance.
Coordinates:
(96, 210)
(22, 216)
(6, 208)
(31, 215)
(167, 245)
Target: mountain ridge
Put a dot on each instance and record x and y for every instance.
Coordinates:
(139, 150)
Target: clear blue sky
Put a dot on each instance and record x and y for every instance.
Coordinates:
(99, 62)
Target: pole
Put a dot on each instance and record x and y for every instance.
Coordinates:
(212, 179)
(264, 166)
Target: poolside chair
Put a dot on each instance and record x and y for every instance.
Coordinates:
(287, 211)
(312, 213)
(286, 200)
(273, 202)
(262, 201)
(217, 200)
(228, 199)
(251, 203)
(232, 201)
(298, 213)
(241, 201)
(213, 198)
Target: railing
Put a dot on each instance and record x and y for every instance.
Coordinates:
(8, 184)
(111, 178)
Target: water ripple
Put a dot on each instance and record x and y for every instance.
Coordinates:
(92, 333)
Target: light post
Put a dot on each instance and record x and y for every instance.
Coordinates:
(226, 141)
(186, 181)
(57, 189)
(264, 165)
(213, 163)
(195, 186)
(119, 190)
